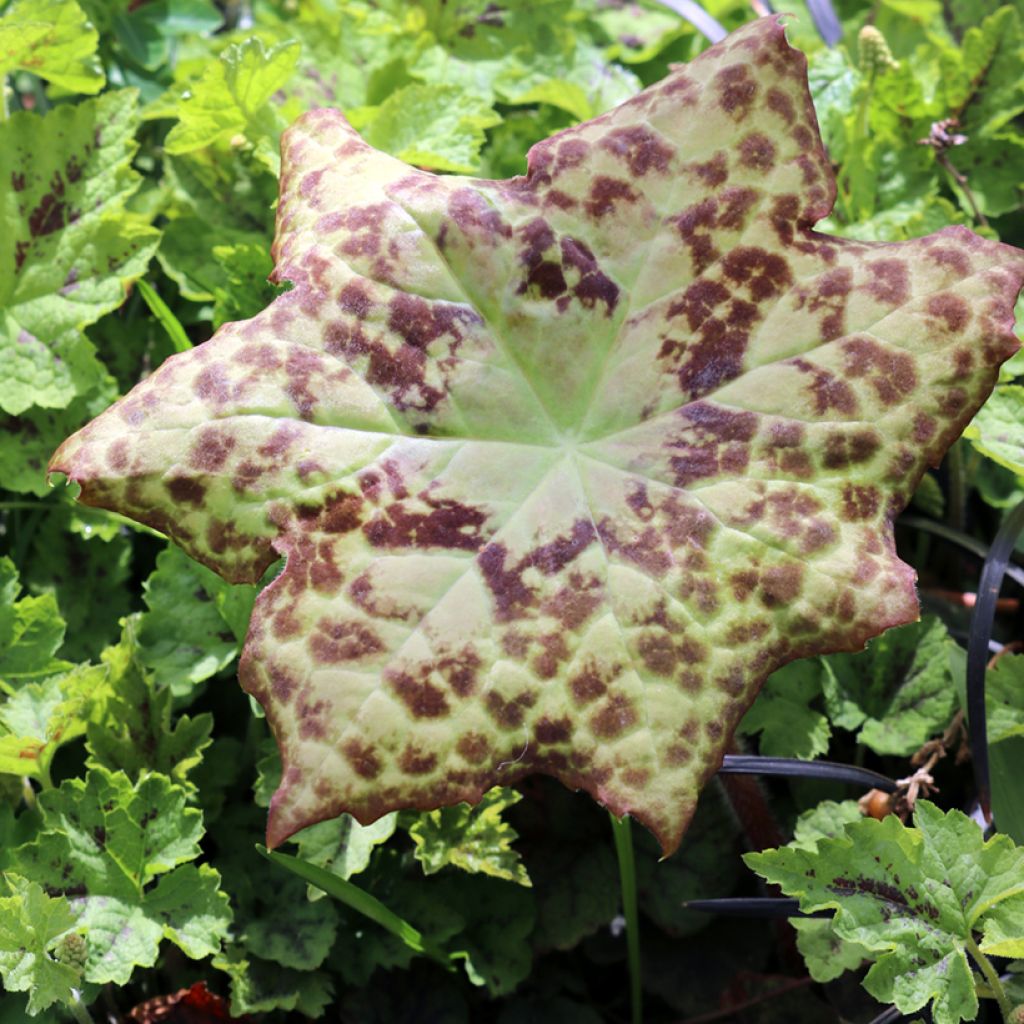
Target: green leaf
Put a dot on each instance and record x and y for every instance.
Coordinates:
(31, 631)
(562, 467)
(782, 714)
(136, 735)
(233, 97)
(117, 851)
(183, 637)
(31, 925)
(71, 247)
(54, 40)
(40, 717)
(288, 928)
(912, 897)
(1004, 698)
(341, 845)
(435, 126)
(475, 839)
(897, 693)
(998, 429)
(260, 986)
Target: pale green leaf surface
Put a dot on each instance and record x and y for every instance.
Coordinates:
(260, 986)
(105, 842)
(342, 845)
(54, 40)
(912, 897)
(563, 466)
(31, 924)
(475, 839)
(70, 249)
(1004, 698)
(289, 928)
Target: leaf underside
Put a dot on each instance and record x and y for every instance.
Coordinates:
(562, 466)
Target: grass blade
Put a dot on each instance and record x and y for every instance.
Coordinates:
(359, 900)
(160, 309)
(623, 834)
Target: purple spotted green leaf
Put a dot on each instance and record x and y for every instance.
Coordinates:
(563, 466)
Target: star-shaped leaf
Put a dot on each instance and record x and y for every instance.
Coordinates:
(562, 466)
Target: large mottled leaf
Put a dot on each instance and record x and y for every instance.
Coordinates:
(69, 247)
(562, 466)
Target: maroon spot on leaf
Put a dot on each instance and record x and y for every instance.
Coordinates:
(509, 714)
(511, 596)
(645, 549)
(554, 651)
(952, 309)
(556, 730)
(828, 391)
(461, 671)
(447, 524)
(576, 602)
(846, 449)
(925, 427)
(757, 152)
(413, 761)
(588, 682)
(779, 103)
(475, 216)
(211, 449)
(642, 149)
(677, 755)
(699, 301)
(593, 285)
(355, 299)
(658, 653)
(118, 455)
(338, 640)
(49, 215)
(605, 193)
(734, 205)
(890, 372)
(311, 718)
(20, 253)
(283, 683)
(953, 402)
(780, 585)
(765, 273)
(420, 696)
(362, 757)
(614, 717)
(186, 490)
(736, 90)
(889, 281)
(474, 747)
(860, 502)
(212, 384)
(17, 181)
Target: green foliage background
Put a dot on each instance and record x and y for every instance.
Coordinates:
(138, 166)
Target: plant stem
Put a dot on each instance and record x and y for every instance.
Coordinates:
(957, 486)
(991, 976)
(622, 831)
(78, 1008)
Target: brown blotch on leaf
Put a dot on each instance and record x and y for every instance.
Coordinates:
(827, 390)
(474, 747)
(283, 683)
(757, 152)
(589, 682)
(335, 641)
(642, 149)
(860, 502)
(362, 757)
(448, 524)
(765, 273)
(952, 309)
(780, 585)
(614, 717)
(889, 282)
(211, 450)
(606, 193)
(509, 713)
(186, 491)
(414, 762)
(844, 449)
(736, 90)
(553, 730)
(420, 696)
(891, 373)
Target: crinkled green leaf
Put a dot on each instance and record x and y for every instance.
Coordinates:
(31, 631)
(31, 924)
(436, 126)
(183, 637)
(897, 693)
(342, 845)
(245, 290)
(782, 713)
(70, 247)
(54, 40)
(117, 851)
(998, 429)
(260, 986)
(473, 838)
(136, 736)
(912, 897)
(233, 96)
(562, 466)
(40, 717)
(1004, 698)
(87, 577)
